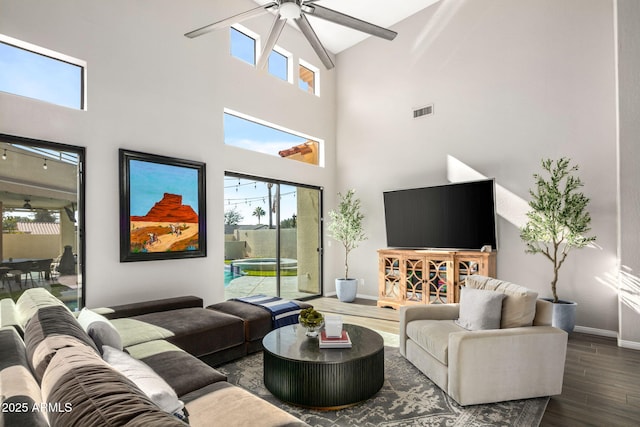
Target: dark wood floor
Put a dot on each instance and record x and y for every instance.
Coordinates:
(601, 381)
(601, 385)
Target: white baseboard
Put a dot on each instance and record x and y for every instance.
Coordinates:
(367, 297)
(333, 294)
(633, 345)
(595, 331)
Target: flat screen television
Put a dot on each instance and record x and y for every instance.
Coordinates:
(451, 216)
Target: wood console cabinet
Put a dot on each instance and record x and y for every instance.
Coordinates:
(408, 277)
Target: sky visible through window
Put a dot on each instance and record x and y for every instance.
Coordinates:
(278, 65)
(37, 76)
(243, 47)
(245, 195)
(253, 136)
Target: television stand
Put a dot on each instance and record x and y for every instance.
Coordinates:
(417, 277)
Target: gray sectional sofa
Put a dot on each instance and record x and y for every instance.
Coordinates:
(135, 365)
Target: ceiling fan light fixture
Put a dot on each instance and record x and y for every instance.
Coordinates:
(289, 10)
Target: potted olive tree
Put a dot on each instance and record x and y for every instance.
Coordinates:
(345, 226)
(558, 222)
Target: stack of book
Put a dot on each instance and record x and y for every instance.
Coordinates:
(342, 341)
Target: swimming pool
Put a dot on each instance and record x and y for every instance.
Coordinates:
(259, 267)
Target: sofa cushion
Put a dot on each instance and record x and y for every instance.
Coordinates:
(227, 405)
(19, 388)
(197, 330)
(519, 305)
(257, 320)
(182, 371)
(133, 331)
(433, 336)
(9, 315)
(101, 331)
(96, 394)
(32, 300)
(49, 330)
(145, 378)
(153, 306)
(480, 309)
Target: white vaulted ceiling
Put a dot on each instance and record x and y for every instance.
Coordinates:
(384, 13)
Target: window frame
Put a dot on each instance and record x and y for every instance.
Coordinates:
(321, 225)
(250, 34)
(243, 116)
(57, 56)
(81, 224)
(289, 57)
(316, 76)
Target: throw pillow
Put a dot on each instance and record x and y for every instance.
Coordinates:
(9, 315)
(100, 329)
(145, 378)
(34, 299)
(519, 305)
(480, 309)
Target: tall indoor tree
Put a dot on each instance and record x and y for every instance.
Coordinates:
(558, 219)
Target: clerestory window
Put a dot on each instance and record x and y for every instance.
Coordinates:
(244, 44)
(39, 73)
(252, 134)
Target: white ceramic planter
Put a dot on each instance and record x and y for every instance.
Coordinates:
(346, 289)
(564, 314)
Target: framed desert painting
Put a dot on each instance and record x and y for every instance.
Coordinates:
(162, 207)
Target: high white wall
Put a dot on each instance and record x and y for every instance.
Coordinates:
(511, 82)
(151, 89)
(628, 12)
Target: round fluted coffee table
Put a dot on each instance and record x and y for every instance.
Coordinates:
(297, 371)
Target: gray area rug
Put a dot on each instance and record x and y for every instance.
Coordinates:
(407, 398)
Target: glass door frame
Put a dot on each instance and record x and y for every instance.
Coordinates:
(80, 232)
(320, 248)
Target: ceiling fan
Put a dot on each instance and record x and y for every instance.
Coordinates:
(297, 11)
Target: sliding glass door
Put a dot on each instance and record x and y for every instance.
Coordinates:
(42, 203)
(272, 238)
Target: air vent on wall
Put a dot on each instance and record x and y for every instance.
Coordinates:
(423, 111)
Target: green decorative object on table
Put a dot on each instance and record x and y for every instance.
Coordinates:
(312, 320)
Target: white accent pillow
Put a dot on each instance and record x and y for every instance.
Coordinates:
(100, 329)
(145, 378)
(519, 305)
(480, 309)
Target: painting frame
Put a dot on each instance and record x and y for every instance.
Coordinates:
(168, 225)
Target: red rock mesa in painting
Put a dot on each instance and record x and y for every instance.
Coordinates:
(168, 226)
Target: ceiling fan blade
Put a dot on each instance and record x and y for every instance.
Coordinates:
(231, 20)
(305, 27)
(348, 21)
(274, 34)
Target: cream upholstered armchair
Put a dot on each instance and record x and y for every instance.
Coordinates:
(497, 344)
